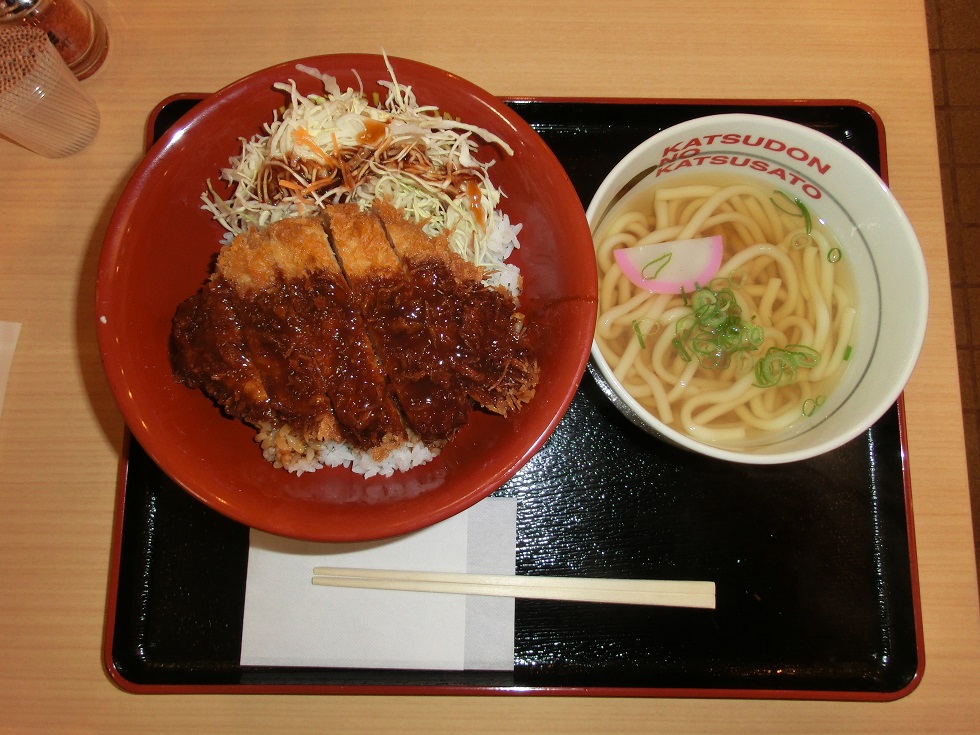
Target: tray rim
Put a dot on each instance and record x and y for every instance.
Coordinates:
(117, 677)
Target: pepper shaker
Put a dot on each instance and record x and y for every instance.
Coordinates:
(77, 32)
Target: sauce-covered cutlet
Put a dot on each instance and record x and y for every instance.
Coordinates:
(275, 336)
(354, 327)
(477, 327)
(434, 402)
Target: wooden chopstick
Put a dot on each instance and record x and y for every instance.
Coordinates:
(672, 593)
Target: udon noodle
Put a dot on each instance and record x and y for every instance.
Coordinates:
(757, 348)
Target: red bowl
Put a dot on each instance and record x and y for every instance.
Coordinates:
(158, 251)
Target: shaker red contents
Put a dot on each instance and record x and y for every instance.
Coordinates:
(73, 27)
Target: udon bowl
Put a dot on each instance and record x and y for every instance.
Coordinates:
(875, 237)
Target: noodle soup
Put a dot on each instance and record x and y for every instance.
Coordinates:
(749, 347)
(770, 326)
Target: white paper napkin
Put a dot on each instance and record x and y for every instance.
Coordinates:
(290, 622)
(9, 332)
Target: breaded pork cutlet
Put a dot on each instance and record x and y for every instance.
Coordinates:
(433, 401)
(274, 337)
(353, 327)
(478, 327)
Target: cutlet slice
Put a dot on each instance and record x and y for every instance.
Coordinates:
(414, 246)
(395, 308)
(290, 249)
(478, 325)
(210, 351)
(275, 338)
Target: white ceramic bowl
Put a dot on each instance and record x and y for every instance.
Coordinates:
(875, 235)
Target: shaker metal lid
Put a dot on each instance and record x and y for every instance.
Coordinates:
(14, 9)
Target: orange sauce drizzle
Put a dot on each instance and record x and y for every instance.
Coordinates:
(472, 192)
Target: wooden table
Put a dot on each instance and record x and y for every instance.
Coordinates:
(60, 433)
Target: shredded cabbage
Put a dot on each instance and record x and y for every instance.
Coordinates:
(339, 147)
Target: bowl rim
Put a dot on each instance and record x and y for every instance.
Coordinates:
(764, 454)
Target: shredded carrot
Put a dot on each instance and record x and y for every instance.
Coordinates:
(300, 198)
(314, 185)
(287, 184)
(348, 181)
(302, 136)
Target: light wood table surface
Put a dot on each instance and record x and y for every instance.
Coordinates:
(60, 433)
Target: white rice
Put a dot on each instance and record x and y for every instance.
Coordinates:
(286, 451)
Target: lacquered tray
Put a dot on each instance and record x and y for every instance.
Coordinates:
(814, 562)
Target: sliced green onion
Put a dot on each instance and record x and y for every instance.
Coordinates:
(779, 365)
(847, 352)
(738, 277)
(834, 255)
(678, 344)
(639, 334)
(714, 331)
(810, 405)
(802, 211)
(776, 367)
(806, 357)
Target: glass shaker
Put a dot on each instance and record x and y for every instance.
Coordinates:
(74, 28)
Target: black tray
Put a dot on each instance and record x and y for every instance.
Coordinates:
(814, 562)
